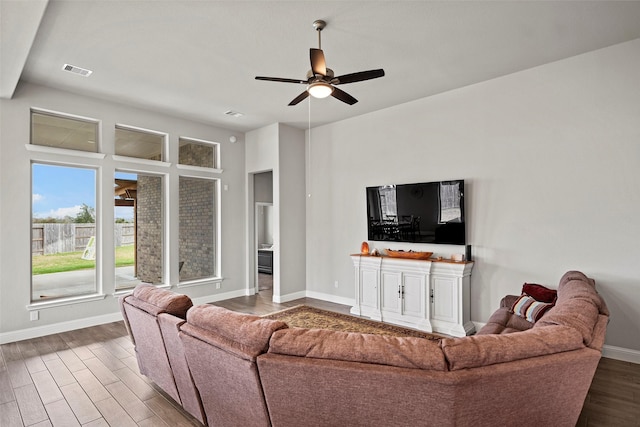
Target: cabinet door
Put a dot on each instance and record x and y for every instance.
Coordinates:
(391, 296)
(445, 299)
(368, 288)
(414, 301)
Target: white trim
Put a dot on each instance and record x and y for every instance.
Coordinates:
(65, 301)
(139, 161)
(56, 328)
(61, 115)
(331, 298)
(198, 169)
(64, 151)
(200, 282)
(289, 297)
(620, 353)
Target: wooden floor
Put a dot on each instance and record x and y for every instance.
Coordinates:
(90, 377)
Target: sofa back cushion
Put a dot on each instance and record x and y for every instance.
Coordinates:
(504, 321)
(250, 332)
(405, 352)
(166, 301)
(578, 306)
(481, 350)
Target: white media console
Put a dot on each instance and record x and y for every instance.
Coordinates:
(430, 295)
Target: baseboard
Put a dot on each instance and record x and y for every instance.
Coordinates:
(56, 328)
(331, 298)
(289, 297)
(620, 353)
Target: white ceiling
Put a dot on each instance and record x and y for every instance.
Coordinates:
(198, 59)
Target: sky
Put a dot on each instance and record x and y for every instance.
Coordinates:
(59, 191)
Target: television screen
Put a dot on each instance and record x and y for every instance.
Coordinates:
(429, 212)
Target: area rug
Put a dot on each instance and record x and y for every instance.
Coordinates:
(304, 316)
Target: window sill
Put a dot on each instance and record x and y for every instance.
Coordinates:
(200, 282)
(65, 151)
(198, 169)
(65, 301)
(139, 161)
(129, 291)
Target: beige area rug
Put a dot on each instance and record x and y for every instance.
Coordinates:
(303, 316)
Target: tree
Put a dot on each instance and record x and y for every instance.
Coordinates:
(87, 214)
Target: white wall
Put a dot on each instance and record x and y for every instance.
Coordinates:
(280, 148)
(15, 202)
(291, 215)
(551, 159)
(263, 187)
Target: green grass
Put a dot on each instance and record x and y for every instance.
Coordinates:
(71, 261)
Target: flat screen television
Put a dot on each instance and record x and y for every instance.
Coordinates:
(428, 212)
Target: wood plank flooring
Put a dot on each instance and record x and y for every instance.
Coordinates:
(90, 377)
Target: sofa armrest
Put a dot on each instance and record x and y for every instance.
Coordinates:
(508, 300)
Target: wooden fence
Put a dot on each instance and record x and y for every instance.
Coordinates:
(47, 239)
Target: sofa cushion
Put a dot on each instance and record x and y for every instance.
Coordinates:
(405, 352)
(250, 331)
(168, 301)
(504, 321)
(578, 305)
(539, 292)
(529, 308)
(481, 350)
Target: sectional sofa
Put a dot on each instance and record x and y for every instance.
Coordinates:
(248, 370)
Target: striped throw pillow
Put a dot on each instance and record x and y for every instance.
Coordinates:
(529, 308)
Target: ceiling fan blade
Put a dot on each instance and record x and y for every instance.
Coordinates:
(278, 79)
(299, 98)
(358, 77)
(343, 96)
(318, 64)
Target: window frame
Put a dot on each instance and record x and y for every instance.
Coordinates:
(66, 116)
(164, 145)
(98, 292)
(206, 174)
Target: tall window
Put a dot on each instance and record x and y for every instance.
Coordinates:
(63, 236)
(197, 229)
(139, 229)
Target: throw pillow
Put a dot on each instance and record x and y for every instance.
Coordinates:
(530, 309)
(539, 292)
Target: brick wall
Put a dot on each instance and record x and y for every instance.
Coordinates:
(150, 229)
(197, 228)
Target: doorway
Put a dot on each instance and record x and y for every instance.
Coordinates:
(264, 249)
(264, 245)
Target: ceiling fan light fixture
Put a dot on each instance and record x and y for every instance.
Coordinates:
(320, 89)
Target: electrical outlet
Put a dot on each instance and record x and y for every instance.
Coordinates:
(335, 284)
(34, 315)
(218, 285)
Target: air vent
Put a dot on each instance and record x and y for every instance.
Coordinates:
(233, 113)
(77, 70)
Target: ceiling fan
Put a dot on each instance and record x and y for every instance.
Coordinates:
(320, 80)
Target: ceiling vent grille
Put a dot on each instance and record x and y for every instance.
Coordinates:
(233, 113)
(77, 70)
